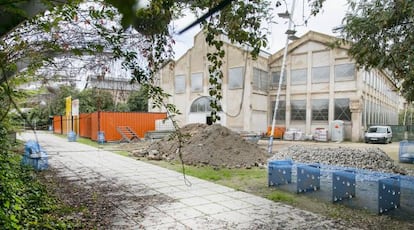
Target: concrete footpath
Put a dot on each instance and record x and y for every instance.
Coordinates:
(201, 205)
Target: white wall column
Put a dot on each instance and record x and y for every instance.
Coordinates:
(355, 105)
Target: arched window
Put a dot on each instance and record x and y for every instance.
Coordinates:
(200, 105)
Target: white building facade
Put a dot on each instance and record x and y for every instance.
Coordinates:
(321, 84)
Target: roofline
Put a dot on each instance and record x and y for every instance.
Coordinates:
(392, 80)
(309, 36)
(324, 39)
(223, 38)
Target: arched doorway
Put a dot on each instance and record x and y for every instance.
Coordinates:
(200, 109)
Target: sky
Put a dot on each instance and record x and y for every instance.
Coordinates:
(330, 17)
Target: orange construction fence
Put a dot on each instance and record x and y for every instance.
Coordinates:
(88, 124)
(57, 124)
(85, 125)
(61, 124)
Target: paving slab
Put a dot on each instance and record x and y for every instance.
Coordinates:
(175, 204)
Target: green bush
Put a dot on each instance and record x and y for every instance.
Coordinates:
(24, 202)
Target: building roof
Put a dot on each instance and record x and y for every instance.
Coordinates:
(309, 36)
(324, 39)
(227, 41)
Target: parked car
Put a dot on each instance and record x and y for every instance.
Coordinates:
(378, 134)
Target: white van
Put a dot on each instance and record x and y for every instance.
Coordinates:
(378, 133)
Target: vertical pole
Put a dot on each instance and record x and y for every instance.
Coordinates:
(270, 146)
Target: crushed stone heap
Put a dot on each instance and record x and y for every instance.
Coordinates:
(212, 145)
(372, 158)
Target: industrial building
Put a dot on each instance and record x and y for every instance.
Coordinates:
(321, 84)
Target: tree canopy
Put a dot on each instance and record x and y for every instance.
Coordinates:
(91, 100)
(138, 101)
(71, 29)
(381, 35)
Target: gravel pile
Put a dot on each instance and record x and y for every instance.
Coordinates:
(368, 158)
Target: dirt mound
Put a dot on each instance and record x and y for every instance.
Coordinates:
(213, 145)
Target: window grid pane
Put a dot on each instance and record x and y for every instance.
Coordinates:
(196, 82)
(256, 79)
(264, 77)
(298, 109)
(180, 84)
(342, 111)
(320, 108)
(320, 74)
(202, 104)
(260, 79)
(345, 72)
(298, 76)
(274, 81)
(281, 111)
(193, 107)
(236, 78)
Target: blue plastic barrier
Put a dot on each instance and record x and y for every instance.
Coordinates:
(389, 192)
(379, 192)
(308, 178)
(72, 136)
(343, 185)
(35, 156)
(406, 152)
(101, 137)
(280, 172)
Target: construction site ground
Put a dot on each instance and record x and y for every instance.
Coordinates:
(123, 192)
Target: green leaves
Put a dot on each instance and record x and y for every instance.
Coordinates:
(138, 101)
(381, 36)
(24, 203)
(92, 100)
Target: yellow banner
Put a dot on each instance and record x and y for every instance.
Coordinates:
(69, 106)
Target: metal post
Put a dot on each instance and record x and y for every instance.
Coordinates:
(270, 146)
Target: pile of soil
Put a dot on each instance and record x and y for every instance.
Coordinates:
(212, 145)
